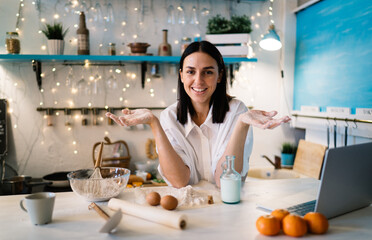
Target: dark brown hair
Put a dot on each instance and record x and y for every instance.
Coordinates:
(220, 99)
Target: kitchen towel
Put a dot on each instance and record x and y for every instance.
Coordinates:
(153, 214)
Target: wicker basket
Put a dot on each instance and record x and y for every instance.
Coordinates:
(116, 155)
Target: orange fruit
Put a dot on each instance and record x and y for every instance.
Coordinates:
(268, 225)
(294, 225)
(137, 184)
(148, 176)
(316, 222)
(279, 214)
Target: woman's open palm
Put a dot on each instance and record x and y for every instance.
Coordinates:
(262, 119)
(132, 117)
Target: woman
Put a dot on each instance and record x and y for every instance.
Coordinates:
(194, 135)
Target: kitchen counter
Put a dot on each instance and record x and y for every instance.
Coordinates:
(73, 220)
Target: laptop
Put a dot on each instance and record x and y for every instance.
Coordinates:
(345, 185)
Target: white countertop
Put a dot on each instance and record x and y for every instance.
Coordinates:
(73, 220)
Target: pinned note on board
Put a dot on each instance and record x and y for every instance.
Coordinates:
(338, 110)
(364, 111)
(312, 109)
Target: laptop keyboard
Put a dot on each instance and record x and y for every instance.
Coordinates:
(302, 208)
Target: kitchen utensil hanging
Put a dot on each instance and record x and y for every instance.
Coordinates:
(346, 132)
(328, 132)
(335, 134)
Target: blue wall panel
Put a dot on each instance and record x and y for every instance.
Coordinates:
(334, 55)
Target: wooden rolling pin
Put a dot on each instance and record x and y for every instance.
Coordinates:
(153, 214)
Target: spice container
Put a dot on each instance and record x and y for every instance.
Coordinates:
(68, 117)
(13, 45)
(185, 43)
(111, 49)
(84, 113)
(49, 117)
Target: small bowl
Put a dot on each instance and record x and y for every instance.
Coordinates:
(113, 181)
(138, 47)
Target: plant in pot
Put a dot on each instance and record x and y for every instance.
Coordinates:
(288, 152)
(237, 24)
(231, 37)
(55, 34)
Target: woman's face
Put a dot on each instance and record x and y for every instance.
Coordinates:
(199, 75)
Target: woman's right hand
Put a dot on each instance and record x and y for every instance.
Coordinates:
(132, 117)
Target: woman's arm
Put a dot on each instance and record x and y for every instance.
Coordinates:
(235, 146)
(173, 167)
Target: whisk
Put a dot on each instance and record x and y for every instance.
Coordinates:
(97, 167)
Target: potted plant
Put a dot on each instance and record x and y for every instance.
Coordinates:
(231, 37)
(288, 152)
(55, 34)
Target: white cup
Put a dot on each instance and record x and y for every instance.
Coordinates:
(39, 207)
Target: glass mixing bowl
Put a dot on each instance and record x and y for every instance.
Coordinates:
(113, 181)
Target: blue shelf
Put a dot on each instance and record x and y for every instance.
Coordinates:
(99, 58)
(37, 61)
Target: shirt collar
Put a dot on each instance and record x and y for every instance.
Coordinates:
(190, 123)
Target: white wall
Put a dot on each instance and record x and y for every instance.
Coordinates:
(36, 149)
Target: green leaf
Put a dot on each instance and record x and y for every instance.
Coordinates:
(237, 24)
(54, 31)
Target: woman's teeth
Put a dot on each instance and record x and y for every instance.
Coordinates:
(199, 89)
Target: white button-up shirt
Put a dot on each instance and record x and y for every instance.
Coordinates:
(201, 147)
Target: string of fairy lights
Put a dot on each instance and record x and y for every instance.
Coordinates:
(94, 76)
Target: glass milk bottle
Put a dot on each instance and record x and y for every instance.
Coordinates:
(230, 182)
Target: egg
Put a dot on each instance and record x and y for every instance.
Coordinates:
(153, 198)
(169, 202)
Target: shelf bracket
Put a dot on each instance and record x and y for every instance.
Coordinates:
(36, 66)
(143, 73)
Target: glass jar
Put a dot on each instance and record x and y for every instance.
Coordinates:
(112, 49)
(185, 43)
(13, 45)
(230, 181)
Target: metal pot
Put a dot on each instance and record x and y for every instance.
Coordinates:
(19, 185)
(57, 179)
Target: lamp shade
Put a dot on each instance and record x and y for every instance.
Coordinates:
(271, 40)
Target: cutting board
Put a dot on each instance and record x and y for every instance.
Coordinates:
(309, 159)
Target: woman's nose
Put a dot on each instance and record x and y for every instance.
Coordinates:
(199, 78)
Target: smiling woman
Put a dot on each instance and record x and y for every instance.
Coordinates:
(195, 134)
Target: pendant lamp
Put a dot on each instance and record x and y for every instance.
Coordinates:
(271, 40)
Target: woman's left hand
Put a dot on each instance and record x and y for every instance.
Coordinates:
(262, 119)
(132, 117)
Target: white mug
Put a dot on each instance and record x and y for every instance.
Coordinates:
(39, 207)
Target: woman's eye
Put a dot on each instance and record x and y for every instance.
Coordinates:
(190, 72)
(209, 72)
